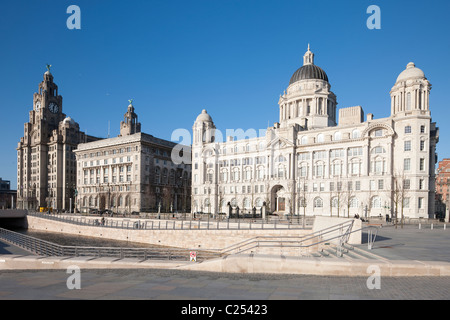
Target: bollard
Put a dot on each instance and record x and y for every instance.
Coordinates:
(420, 226)
(445, 226)
(431, 226)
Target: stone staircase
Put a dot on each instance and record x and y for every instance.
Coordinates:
(348, 252)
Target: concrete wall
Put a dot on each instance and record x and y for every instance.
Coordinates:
(321, 223)
(193, 239)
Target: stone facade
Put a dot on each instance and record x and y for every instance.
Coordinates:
(131, 172)
(46, 166)
(310, 163)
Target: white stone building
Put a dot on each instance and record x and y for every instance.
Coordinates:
(133, 172)
(311, 163)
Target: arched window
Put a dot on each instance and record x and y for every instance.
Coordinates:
(318, 202)
(356, 134)
(304, 140)
(334, 202)
(337, 136)
(258, 202)
(354, 202)
(375, 202)
(320, 138)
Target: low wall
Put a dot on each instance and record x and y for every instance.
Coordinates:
(192, 239)
(321, 223)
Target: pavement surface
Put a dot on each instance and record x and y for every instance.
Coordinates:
(138, 284)
(412, 243)
(408, 243)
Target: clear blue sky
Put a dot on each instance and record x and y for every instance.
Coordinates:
(231, 57)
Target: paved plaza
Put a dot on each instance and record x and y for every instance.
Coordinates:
(409, 243)
(183, 285)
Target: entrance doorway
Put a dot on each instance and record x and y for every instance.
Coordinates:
(278, 199)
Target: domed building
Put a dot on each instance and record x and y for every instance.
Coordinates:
(316, 161)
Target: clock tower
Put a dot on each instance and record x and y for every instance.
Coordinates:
(46, 166)
(47, 102)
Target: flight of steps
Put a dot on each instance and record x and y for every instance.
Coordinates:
(349, 252)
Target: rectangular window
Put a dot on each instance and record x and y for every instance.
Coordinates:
(407, 164)
(406, 203)
(420, 203)
(380, 184)
(408, 129)
(358, 185)
(422, 164)
(422, 145)
(407, 146)
(422, 129)
(406, 184)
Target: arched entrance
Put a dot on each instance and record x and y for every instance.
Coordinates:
(278, 199)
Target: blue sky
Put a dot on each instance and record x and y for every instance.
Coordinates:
(233, 58)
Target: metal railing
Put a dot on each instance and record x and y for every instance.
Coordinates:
(341, 233)
(49, 249)
(176, 224)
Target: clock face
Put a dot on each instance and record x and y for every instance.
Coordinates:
(38, 105)
(53, 107)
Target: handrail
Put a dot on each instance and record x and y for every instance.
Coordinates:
(45, 248)
(152, 224)
(304, 238)
(260, 241)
